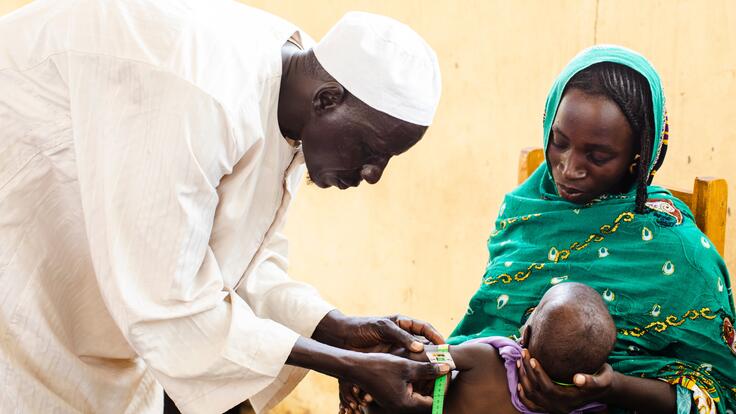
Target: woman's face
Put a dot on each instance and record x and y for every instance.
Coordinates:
(591, 147)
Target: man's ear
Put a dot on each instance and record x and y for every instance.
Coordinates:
(328, 97)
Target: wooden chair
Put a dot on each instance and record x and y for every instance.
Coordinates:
(707, 200)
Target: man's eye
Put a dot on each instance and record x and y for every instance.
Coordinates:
(367, 150)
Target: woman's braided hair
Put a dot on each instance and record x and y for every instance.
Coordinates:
(630, 90)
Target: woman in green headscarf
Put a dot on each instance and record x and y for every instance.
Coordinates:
(590, 214)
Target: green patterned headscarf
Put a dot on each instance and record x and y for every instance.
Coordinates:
(665, 284)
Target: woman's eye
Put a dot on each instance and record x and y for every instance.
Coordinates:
(555, 142)
(599, 159)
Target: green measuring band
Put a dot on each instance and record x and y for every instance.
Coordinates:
(563, 384)
(438, 398)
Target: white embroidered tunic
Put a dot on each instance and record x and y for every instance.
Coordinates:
(143, 185)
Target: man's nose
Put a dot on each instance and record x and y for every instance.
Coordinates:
(371, 173)
(572, 168)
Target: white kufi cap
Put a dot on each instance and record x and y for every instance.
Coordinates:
(385, 64)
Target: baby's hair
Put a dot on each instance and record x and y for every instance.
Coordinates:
(571, 332)
(630, 90)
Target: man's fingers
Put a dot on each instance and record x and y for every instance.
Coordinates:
(428, 371)
(398, 336)
(349, 400)
(420, 401)
(362, 398)
(418, 327)
(416, 401)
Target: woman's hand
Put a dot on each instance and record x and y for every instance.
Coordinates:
(539, 393)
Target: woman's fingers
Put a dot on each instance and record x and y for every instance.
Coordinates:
(542, 380)
(600, 381)
(530, 372)
(531, 405)
(527, 387)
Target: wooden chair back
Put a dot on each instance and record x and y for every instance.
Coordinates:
(707, 200)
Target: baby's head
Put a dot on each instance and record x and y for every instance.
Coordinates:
(570, 332)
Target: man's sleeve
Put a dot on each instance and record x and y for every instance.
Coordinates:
(151, 149)
(273, 295)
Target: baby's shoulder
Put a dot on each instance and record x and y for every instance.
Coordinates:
(484, 387)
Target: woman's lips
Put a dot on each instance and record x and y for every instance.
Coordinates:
(568, 192)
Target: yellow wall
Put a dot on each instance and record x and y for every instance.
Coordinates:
(415, 243)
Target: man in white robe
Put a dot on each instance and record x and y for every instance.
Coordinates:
(149, 151)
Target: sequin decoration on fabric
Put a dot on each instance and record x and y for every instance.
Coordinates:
(665, 211)
(729, 336)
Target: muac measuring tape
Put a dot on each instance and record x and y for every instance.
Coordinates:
(438, 398)
(440, 355)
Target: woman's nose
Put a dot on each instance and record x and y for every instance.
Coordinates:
(571, 168)
(371, 173)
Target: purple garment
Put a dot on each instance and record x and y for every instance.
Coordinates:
(510, 351)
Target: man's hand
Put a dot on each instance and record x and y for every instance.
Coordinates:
(374, 334)
(539, 393)
(386, 334)
(388, 380)
(352, 399)
(396, 334)
(386, 377)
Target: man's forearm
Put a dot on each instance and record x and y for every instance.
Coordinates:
(317, 356)
(331, 329)
(643, 395)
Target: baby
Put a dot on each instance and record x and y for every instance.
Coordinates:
(569, 332)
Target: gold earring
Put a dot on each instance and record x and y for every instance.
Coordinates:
(632, 167)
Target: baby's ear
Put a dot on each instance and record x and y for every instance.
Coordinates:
(526, 333)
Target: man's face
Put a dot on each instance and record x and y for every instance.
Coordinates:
(591, 147)
(347, 145)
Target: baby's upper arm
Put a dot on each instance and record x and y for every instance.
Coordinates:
(476, 357)
(481, 382)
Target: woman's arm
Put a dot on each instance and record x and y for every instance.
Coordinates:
(641, 394)
(539, 393)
